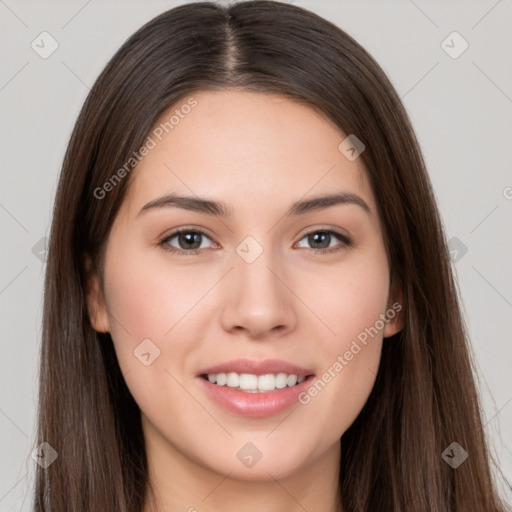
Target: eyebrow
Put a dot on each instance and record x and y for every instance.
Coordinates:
(220, 209)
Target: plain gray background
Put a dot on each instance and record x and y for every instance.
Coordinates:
(460, 106)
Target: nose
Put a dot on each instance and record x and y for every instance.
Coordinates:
(257, 300)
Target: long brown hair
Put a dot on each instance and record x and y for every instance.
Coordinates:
(424, 396)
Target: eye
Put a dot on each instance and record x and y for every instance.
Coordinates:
(188, 240)
(321, 239)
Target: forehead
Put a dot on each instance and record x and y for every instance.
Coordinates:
(248, 147)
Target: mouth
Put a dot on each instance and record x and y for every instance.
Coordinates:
(252, 383)
(255, 388)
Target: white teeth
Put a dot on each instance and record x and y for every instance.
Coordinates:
(255, 383)
(291, 380)
(248, 381)
(266, 382)
(281, 380)
(233, 380)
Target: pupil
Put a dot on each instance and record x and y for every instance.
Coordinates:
(315, 239)
(190, 238)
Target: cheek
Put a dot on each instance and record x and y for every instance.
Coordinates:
(149, 307)
(351, 303)
(350, 297)
(147, 296)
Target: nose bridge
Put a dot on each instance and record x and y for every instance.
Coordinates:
(260, 301)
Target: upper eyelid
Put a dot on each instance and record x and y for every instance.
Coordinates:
(186, 229)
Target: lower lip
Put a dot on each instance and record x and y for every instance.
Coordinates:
(256, 405)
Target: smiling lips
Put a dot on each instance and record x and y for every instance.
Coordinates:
(255, 388)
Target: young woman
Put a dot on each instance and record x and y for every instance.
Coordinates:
(249, 302)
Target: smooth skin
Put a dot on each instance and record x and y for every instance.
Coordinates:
(259, 154)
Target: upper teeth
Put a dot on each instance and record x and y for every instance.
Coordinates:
(254, 383)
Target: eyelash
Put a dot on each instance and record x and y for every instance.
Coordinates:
(163, 243)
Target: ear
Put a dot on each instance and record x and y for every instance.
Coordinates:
(96, 305)
(395, 312)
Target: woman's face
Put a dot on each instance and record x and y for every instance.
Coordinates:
(246, 289)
